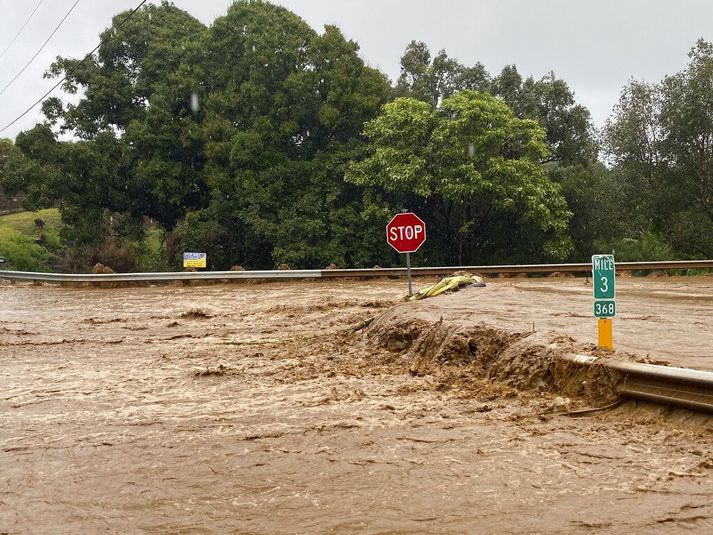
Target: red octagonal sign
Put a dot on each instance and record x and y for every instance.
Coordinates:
(406, 232)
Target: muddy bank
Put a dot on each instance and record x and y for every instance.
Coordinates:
(665, 319)
(482, 355)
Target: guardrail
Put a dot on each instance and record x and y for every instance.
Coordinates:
(679, 387)
(341, 273)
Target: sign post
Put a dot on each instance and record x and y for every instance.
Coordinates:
(408, 273)
(603, 284)
(406, 233)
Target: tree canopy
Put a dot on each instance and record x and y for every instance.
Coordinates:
(263, 141)
(660, 144)
(549, 101)
(471, 168)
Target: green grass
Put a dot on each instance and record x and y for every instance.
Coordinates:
(23, 223)
(149, 251)
(19, 239)
(153, 240)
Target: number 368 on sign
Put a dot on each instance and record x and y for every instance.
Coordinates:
(604, 308)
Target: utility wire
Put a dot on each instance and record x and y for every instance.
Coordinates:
(22, 28)
(85, 58)
(41, 47)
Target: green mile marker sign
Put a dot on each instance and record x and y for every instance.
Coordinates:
(603, 279)
(603, 276)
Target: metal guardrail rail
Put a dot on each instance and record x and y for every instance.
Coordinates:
(678, 387)
(341, 273)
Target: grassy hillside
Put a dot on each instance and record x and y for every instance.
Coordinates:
(27, 247)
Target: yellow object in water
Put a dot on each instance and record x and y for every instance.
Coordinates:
(447, 284)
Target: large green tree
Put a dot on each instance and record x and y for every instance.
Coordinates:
(283, 117)
(245, 126)
(471, 168)
(139, 88)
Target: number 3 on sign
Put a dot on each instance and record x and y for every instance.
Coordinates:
(605, 284)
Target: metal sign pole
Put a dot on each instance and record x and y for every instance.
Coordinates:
(408, 273)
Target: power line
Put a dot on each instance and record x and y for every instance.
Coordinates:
(41, 47)
(22, 28)
(85, 58)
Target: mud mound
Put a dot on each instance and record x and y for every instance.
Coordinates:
(100, 268)
(196, 313)
(330, 304)
(219, 371)
(517, 360)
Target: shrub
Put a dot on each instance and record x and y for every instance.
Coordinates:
(111, 252)
(690, 234)
(22, 254)
(648, 247)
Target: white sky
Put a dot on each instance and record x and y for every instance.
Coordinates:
(595, 46)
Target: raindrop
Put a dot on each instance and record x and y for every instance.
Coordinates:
(471, 149)
(195, 102)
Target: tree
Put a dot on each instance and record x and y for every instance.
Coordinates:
(632, 140)
(139, 89)
(12, 162)
(471, 168)
(687, 119)
(228, 125)
(82, 178)
(283, 117)
(432, 80)
(596, 198)
(660, 142)
(549, 101)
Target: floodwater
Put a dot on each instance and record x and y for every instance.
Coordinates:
(245, 409)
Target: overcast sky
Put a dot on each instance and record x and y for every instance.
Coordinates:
(596, 46)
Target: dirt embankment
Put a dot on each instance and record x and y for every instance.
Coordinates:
(477, 357)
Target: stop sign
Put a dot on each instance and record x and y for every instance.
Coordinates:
(406, 232)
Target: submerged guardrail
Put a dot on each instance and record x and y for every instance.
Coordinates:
(342, 273)
(666, 385)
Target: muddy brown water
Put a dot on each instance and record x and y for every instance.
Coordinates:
(242, 409)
